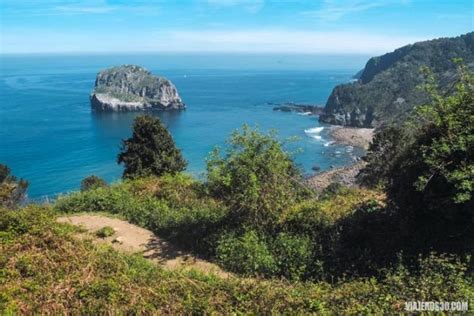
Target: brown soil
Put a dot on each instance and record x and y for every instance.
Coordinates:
(132, 239)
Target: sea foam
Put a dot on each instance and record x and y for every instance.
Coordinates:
(314, 132)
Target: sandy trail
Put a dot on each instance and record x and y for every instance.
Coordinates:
(132, 239)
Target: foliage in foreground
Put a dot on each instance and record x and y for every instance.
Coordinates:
(44, 268)
(255, 221)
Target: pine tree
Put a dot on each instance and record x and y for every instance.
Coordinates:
(150, 151)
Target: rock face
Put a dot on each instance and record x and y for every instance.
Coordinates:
(386, 89)
(133, 88)
(299, 108)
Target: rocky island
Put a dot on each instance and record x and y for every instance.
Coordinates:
(133, 88)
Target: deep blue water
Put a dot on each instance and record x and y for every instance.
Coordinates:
(49, 136)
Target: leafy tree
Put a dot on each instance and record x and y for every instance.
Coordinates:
(12, 190)
(150, 151)
(256, 177)
(92, 182)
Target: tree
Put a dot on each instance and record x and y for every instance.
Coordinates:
(256, 177)
(12, 190)
(92, 182)
(150, 150)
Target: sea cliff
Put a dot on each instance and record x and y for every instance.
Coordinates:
(386, 90)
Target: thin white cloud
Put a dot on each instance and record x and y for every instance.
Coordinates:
(252, 6)
(333, 10)
(233, 41)
(81, 7)
(78, 9)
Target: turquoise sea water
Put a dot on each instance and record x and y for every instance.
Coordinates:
(49, 136)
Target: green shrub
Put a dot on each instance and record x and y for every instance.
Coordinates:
(436, 277)
(332, 189)
(247, 254)
(92, 182)
(116, 199)
(105, 232)
(150, 150)
(256, 178)
(293, 255)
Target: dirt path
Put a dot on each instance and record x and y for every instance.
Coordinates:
(132, 239)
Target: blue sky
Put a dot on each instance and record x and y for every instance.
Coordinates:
(250, 26)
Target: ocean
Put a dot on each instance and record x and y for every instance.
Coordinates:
(50, 137)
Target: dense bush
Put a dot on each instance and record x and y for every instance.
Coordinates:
(247, 254)
(92, 182)
(12, 190)
(256, 178)
(294, 256)
(150, 151)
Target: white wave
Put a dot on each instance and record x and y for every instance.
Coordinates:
(305, 113)
(314, 130)
(316, 137)
(327, 144)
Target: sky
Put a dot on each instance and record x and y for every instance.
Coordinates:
(227, 26)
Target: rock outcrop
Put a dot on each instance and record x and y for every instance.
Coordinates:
(387, 88)
(310, 109)
(133, 88)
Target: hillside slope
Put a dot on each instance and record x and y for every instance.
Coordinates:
(386, 90)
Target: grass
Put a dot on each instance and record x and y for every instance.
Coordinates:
(105, 232)
(45, 268)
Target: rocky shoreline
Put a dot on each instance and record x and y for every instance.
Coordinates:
(345, 176)
(308, 109)
(359, 137)
(352, 136)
